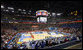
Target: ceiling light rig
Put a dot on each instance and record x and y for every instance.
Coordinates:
(19, 9)
(7, 10)
(59, 13)
(12, 11)
(24, 10)
(11, 8)
(2, 6)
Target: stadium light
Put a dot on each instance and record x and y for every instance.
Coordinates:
(2, 6)
(10, 8)
(19, 9)
(59, 13)
(30, 11)
(12, 11)
(24, 10)
(7, 10)
(53, 14)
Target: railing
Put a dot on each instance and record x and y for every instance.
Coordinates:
(64, 45)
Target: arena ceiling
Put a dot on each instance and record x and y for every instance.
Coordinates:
(64, 7)
(58, 6)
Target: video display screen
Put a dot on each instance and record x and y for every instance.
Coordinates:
(42, 19)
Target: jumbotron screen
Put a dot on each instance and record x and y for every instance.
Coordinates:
(42, 19)
(41, 12)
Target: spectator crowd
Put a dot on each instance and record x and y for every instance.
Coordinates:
(8, 31)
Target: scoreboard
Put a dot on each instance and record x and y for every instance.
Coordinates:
(41, 12)
(42, 19)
